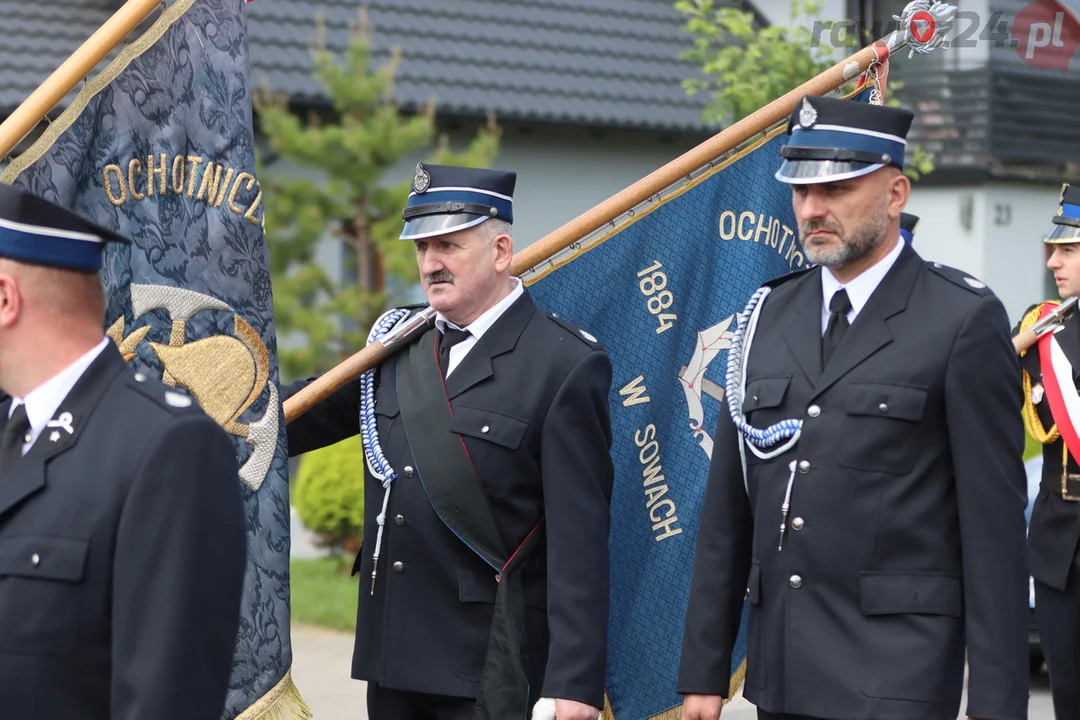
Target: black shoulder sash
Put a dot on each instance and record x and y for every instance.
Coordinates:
(452, 486)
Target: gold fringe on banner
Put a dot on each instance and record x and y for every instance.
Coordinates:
(281, 703)
(91, 89)
(675, 713)
(147, 40)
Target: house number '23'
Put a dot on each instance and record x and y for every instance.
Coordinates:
(1002, 214)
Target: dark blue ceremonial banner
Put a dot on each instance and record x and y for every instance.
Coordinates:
(160, 148)
(660, 291)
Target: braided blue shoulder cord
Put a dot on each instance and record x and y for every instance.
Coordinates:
(735, 387)
(369, 434)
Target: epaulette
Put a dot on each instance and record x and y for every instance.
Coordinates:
(959, 277)
(577, 331)
(778, 281)
(161, 394)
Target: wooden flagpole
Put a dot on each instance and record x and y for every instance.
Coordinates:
(72, 72)
(557, 241)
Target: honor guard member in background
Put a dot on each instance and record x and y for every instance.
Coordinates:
(122, 531)
(878, 534)
(908, 223)
(497, 475)
(1051, 369)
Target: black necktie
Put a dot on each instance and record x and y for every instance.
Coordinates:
(449, 339)
(839, 307)
(14, 437)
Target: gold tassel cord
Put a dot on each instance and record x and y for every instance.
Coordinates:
(1031, 416)
(283, 702)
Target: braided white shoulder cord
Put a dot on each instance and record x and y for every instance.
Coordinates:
(373, 455)
(735, 391)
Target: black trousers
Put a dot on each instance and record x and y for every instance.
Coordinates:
(762, 715)
(1057, 614)
(386, 704)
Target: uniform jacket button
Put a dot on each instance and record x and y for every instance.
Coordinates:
(399, 566)
(804, 467)
(485, 429)
(796, 581)
(35, 559)
(399, 520)
(409, 472)
(883, 408)
(797, 523)
(813, 411)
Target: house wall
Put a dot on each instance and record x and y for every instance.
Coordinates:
(994, 232)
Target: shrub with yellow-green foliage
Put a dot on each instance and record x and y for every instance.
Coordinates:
(329, 494)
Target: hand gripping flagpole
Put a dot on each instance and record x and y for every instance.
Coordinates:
(924, 26)
(1029, 336)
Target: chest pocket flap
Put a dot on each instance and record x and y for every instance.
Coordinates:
(496, 427)
(886, 400)
(765, 392)
(46, 558)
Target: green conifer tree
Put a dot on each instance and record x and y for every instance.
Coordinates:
(348, 152)
(745, 66)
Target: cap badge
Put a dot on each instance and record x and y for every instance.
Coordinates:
(421, 181)
(807, 115)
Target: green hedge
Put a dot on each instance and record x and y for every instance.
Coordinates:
(329, 494)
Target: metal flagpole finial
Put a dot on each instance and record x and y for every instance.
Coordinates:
(924, 26)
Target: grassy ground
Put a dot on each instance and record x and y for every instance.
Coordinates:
(323, 596)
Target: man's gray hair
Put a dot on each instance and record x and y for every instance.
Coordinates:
(493, 228)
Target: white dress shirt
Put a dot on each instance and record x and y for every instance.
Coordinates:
(479, 326)
(43, 402)
(859, 289)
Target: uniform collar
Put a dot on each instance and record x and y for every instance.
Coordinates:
(861, 287)
(43, 402)
(482, 324)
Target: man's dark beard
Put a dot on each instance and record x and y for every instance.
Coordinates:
(860, 241)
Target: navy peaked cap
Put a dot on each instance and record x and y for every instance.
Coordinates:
(832, 139)
(36, 231)
(447, 198)
(1067, 221)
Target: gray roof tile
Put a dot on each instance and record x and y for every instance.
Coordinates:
(589, 62)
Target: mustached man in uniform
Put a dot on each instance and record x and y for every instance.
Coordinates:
(122, 530)
(488, 454)
(1051, 373)
(877, 535)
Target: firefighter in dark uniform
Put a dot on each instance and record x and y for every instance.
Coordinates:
(488, 482)
(866, 493)
(122, 530)
(1051, 371)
